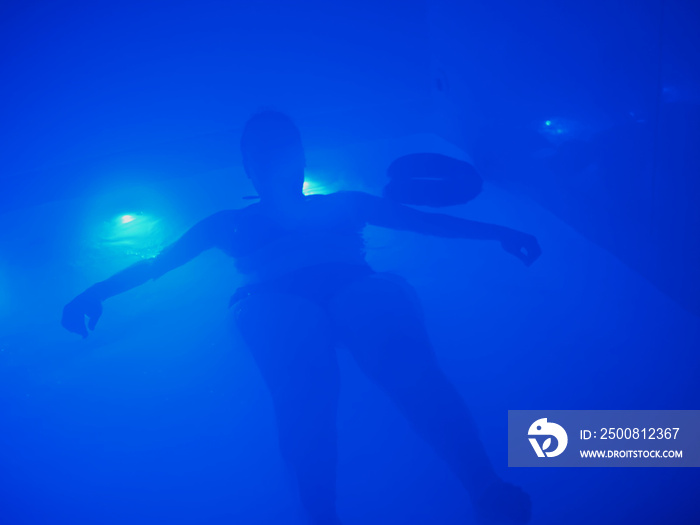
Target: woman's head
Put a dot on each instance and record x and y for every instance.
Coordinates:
(273, 155)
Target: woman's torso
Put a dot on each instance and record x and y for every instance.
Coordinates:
(322, 231)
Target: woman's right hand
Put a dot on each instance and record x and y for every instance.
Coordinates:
(86, 304)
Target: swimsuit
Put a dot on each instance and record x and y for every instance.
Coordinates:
(314, 260)
(318, 283)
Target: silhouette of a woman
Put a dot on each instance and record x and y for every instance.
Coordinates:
(309, 291)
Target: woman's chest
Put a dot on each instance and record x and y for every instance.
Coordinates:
(319, 223)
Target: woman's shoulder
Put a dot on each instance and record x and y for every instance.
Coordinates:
(229, 215)
(346, 198)
(344, 206)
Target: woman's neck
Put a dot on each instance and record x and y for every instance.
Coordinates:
(282, 202)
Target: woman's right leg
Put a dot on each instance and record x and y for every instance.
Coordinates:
(290, 341)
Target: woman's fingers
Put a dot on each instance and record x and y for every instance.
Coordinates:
(73, 320)
(526, 249)
(533, 250)
(94, 314)
(74, 314)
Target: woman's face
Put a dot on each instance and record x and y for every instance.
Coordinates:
(273, 156)
(278, 171)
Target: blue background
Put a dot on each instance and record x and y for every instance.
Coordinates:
(582, 117)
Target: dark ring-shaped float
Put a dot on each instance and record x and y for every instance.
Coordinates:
(431, 179)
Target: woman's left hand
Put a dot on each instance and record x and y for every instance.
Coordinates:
(524, 246)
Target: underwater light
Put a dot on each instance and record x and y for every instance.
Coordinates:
(312, 187)
(138, 234)
(557, 129)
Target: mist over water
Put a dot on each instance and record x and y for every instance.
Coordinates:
(161, 415)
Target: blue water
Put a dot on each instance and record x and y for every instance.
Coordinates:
(121, 129)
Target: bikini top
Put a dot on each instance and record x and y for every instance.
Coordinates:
(325, 230)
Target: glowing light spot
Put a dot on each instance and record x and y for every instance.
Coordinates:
(312, 187)
(132, 234)
(547, 122)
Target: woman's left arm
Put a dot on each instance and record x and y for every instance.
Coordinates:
(386, 213)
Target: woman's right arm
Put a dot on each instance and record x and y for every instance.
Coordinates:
(206, 234)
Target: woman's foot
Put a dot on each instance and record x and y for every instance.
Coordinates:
(503, 504)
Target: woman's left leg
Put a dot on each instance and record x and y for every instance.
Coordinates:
(380, 322)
